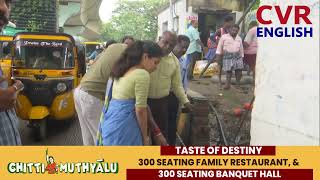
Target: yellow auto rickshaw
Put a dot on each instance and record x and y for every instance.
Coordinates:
(5, 58)
(49, 66)
(90, 47)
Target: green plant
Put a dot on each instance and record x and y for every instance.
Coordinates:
(35, 22)
(134, 17)
(256, 5)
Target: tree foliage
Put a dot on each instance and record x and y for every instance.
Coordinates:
(256, 5)
(137, 18)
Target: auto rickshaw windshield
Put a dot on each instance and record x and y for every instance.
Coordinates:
(43, 55)
(4, 49)
(90, 48)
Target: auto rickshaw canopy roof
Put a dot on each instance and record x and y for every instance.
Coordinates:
(6, 38)
(92, 43)
(45, 36)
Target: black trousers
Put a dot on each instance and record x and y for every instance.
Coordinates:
(173, 107)
(193, 58)
(159, 110)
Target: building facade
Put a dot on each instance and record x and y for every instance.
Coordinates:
(210, 15)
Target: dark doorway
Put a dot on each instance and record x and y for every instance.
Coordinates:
(211, 22)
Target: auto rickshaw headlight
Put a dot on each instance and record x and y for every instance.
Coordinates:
(61, 87)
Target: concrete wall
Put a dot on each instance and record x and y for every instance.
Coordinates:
(181, 12)
(66, 11)
(286, 109)
(74, 31)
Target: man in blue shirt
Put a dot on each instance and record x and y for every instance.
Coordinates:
(194, 51)
(95, 53)
(179, 50)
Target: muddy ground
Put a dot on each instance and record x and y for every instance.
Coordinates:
(225, 101)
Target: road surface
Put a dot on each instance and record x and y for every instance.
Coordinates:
(59, 134)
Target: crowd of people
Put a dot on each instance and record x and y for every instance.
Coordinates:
(226, 47)
(134, 89)
(127, 80)
(91, 59)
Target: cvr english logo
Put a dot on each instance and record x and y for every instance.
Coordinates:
(303, 25)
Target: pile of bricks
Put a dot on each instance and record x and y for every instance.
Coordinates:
(199, 121)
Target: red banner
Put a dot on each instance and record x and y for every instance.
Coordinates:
(221, 174)
(219, 150)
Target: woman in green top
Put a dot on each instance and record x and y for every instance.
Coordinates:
(125, 116)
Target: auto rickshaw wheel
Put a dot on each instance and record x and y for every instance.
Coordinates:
(40, 130)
